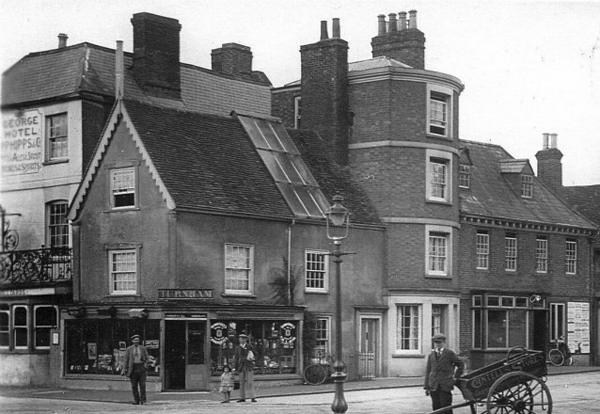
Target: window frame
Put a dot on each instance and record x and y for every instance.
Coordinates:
(482, 250)
(541, 255)
(464, 176)
(136, 272)
(435, 157)
(571, 256)
(48, 328)
(511, 258)
(63, 229)
(483, 306)
(249, 270)
(133, 190)
(297, 112)
(15, 327)
(444, 95)
(439, 232)
(324, 280)
(526, 186)
(415, 327)
(53, 140)
(322, 343)
(6, 333)
(557, 322)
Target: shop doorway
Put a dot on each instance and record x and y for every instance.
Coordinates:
(369, 348)
(540, 330)
(185, 349)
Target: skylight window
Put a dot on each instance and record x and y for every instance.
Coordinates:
(282, 158)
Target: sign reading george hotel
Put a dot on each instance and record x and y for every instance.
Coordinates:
(21, 143)
(185, 293)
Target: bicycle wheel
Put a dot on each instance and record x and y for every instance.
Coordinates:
(556, 357)
(315, 374)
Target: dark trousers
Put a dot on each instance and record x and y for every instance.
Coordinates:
(138, 379)
(440, 399)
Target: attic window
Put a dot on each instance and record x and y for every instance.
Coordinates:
(464, 176)
(526, 186)
(122, 184)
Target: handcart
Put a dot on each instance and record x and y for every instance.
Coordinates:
(516, 384)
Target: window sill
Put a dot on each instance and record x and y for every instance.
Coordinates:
(123, 209)
(428, 276)
(434, 201)
(438, 136)
(239, 295)
(316, 292)
(420, 356)
(52, 162)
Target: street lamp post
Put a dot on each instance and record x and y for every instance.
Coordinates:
(337, 230)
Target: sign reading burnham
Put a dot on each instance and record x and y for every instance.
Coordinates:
(185, 293)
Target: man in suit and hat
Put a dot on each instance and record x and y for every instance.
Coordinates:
(136, 358)
(244, 365)
(443, 366)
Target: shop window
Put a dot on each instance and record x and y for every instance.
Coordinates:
(57, 225)
(501, 323)
(239, 261)
(541, 255)
(323, 338)
(483, 250)
(317, 271)
(45, 320)
(408, 328)
(98, 346)
(4, 326)
(571, 257)
(123, 265)
(275, 344)
(57, 137)
(20, 327)
(510, 253)
(123, 188)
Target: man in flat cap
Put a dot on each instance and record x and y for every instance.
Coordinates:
(443, 366)
(244, 365)
(136, 358)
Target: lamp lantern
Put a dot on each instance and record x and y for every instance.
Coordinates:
(338, 220)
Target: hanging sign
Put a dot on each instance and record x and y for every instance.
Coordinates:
(218, 333)
(287, 333)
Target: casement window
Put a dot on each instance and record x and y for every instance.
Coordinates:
(408, 327)
(20, 327)
(297, 112)
(500, 321)
(464, 176)
(541, 255)
(557, 322)
(4, 326)
(45, 319)
(57, 137)
(527, 186)
(438, 180)
(483, 250)
(317, 271)
(439, 250)
(571, 257)
(57, 225)
(123, 187)
(123, 271)
(323, 337)
(510, 252)
(239, 263)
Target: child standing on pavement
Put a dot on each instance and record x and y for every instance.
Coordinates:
(226, 384)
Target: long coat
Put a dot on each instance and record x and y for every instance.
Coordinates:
(129, 358)
(440, 370)
(240, 359)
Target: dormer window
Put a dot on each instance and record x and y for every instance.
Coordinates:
(464, 176)
(526, 186)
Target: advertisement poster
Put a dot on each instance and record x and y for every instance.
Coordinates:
(578, 327)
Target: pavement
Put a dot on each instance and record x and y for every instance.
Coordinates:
(122, 396)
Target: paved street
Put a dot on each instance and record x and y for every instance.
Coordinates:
(572, 394)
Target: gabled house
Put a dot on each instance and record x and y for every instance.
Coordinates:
(183, 226)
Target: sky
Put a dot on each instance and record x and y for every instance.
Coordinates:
(529, 67)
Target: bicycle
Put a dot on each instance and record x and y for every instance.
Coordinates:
(560, 354)
(317, 372)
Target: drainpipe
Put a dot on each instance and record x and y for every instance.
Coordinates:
(289, 262)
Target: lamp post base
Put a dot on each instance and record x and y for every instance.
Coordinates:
(339, 404)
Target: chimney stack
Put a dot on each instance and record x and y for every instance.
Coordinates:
(406, 44)
(119, 71)
(232, 59)
(156, 65)
(324, 86)
(62, 40)
(549, 162)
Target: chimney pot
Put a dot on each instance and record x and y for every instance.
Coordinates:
(546, 141)
(553, 140)
(336, 28)
(324, 34)
(402, 21)
(381, 24)
(393, 23)
(412, 23)
(62, 40)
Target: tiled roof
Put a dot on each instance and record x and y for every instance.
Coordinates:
(515, 166)
(89, 68)
(493, 195)
(585, 199)
(208, 162)
(376, 62)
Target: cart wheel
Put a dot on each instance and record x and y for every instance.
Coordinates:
(556, 357)
(519, 392)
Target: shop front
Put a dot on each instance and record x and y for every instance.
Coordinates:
(188, 347)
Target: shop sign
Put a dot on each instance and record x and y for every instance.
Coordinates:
(185, 293)
(218, 333)
(287, 333)
(22, 143)
(13, 293)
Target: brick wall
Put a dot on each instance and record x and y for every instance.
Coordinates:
(282, 105)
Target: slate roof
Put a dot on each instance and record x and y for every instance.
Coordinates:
(376, 62)
(585, 199)
(88, 68)
(493, 195)
(208, 162)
